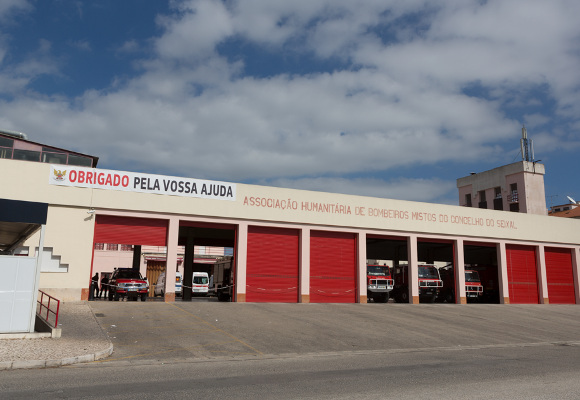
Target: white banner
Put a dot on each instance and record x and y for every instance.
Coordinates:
(66, 175)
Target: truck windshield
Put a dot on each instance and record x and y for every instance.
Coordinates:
(428, 272)
(200, 280)
(471, 276)
(378, 270)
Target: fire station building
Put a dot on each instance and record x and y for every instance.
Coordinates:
(287, 245)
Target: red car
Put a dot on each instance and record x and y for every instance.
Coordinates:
(127, 282)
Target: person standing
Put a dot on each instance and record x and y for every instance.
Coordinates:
(95, 286)
(104, 286)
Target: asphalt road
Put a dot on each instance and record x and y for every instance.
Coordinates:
(538, 372)
(321, 351)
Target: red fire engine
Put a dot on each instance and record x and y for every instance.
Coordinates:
(379, 283)
(429, 283)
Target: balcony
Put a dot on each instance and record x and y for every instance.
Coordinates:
(513, 197)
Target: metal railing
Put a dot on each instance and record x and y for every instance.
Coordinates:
(44, 308)
(432, 283)
(473, 289)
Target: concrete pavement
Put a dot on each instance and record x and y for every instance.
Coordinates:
(150, 333)
(157, 332)
(82, 340)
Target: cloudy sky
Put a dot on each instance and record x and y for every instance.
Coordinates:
(382, 98)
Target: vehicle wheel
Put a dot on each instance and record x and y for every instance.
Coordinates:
(223, 296)
(397, 296)
(431, 299)
(144, 297)
(404, 296)
(450, 297)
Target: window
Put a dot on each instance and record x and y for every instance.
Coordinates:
(112, 247)
(6, 147)
(27, 155)
(497, 201)
(79, 161)
(5, 152)
(513, 196)
(126, 247)
(482, 199)
(54, 158)
(99, 246)
(468, 200)
(23, 150)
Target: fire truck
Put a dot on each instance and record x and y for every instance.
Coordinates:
(473, 287)
(430, 283)
(223, 279)
(379, 283)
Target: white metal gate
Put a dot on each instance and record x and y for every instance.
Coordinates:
(17, 293)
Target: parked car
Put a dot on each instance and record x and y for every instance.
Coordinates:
(160, 284)
(128, 282)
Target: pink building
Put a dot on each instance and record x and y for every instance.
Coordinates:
(517, 187)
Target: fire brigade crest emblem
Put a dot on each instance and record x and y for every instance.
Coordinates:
(59, 175)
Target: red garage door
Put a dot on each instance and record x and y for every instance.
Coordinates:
(522, 276)
(272, 265)
(560, 276)
(129, 230)
(332, 267)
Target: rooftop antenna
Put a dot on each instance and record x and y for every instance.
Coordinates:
(527, 146)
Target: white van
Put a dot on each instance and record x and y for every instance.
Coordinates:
(160, 284)
(200, 284)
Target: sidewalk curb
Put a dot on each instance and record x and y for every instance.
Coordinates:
(51, 363)
(32, 364)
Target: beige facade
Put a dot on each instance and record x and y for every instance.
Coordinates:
(71, 224)
(514, 187)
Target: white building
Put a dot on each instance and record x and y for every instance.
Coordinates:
(293, 245)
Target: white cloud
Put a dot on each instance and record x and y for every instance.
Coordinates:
(14, 78)
(425, 190)
(8, 7)
(83, 45)
(399, 102)
(199, 27)
(129, 46)
(534, 120)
